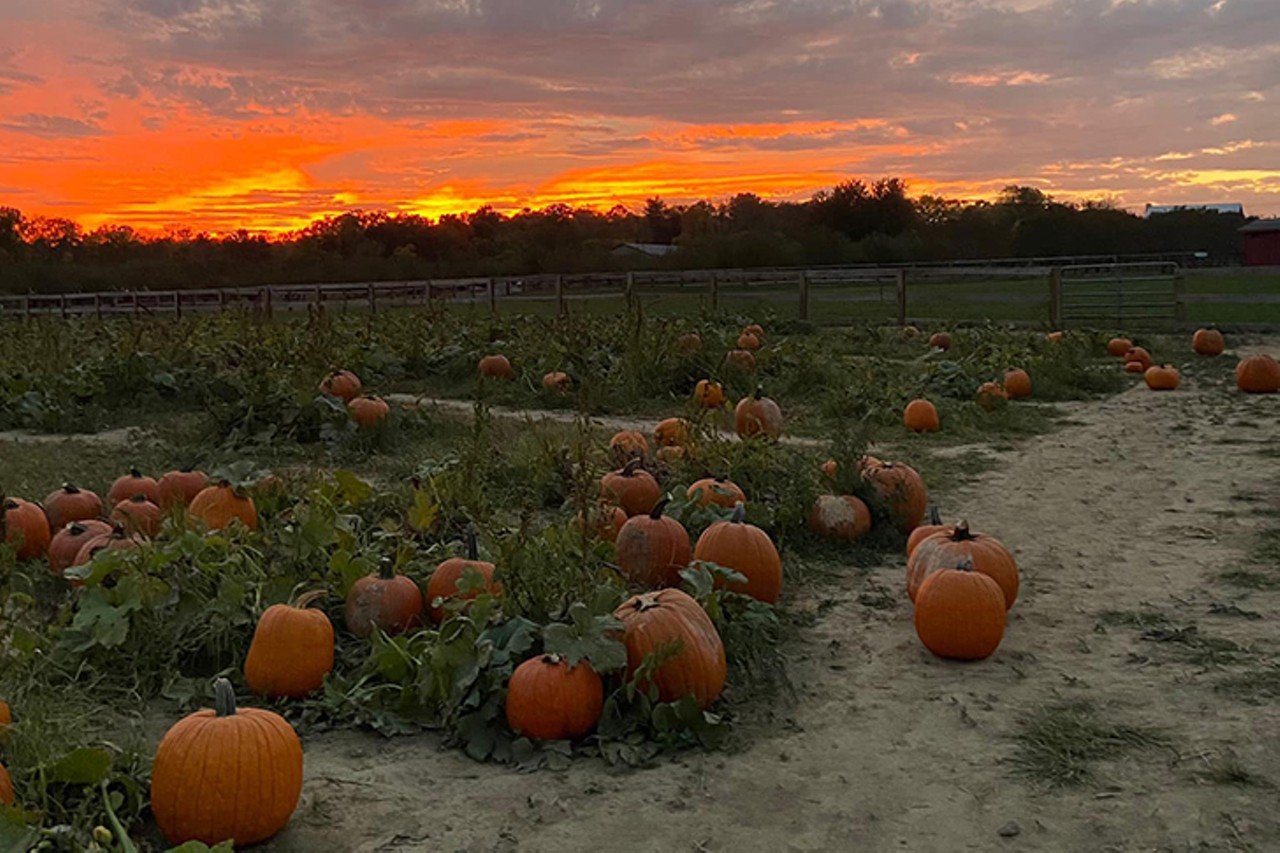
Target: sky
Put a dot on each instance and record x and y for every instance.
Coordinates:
(266, 114)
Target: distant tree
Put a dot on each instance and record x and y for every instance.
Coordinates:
(662, 222)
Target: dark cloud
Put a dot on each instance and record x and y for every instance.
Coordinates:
(51, 127)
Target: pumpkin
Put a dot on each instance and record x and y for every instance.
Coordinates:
(217, 506)
(557, 382)
(1117, 347)
(718, 491)
(549, 700)
(6, 787)
(368, 412)
(653, 623)
(179, 488)
(747, 550)
(25, 527)
(940, 340)
(443, 583)
(68, 541)
(924, 531)
(740, 360)
(607, 520)
(1140, 355)
(138, 515)
(1017, 383)
(670, 455)
(496, 367)
(653, 549)
(758, 415)
(754, 329)
(6, 716)
(1258, 374)
(749, 342)
(991, 395)
(689, 344)
(1162, 378)
(708, 394)
(960, 614)
(226, 774)
(342, 384)
(631, 488)
(921, 416)
(384, 600)
(628, 443)
(71, 503)
(1054, 337)
(839, 517)
(291, 651)
(829, 469)
(1134, 367)
(117, 539)
(1208, 342)
(133, 483)
(909, 333)
(900, 489)
(947, 549)
(672, 432)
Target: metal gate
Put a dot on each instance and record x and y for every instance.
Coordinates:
(1119, 296)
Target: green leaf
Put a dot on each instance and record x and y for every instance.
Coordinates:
(424, 512)
(353, 490)
(84, 766)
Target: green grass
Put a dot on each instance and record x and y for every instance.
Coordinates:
(1060, 746)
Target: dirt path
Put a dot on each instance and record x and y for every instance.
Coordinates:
(1140, 504)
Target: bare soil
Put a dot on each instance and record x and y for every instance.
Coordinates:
(1139, 504)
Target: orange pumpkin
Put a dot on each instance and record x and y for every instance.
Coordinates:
(1162, 378)
(740, 360)
(1208, 342)
(631, 488)
(749, 342)
(627, 444)
(758, 415)
(549, 700)
(1258, 374)
(1134, 367)
(924, 531)
(921, 416)
(179, 488)
(1117, 347)
(1054, 337)
(672, 432)
(754, 329)
(900, 489)
(291, 651)
(1140, 355)
(138, 515)
(944, 550)
(6, 787)
(25, 527)
(133, 483)
(443, 584)
(368, 412)
(217, 506)
(909, 333)
(708, 394)
(226, 774)
(830, 468)
(839, 517)
(6, 716)
(116, 540)
(342, 384)
(991, 395)
(557, 382)
(960, 614)
(940, 340)
(1017, 383)
(655, 623)
(670, 455)
(747, 550)
(653, 549)
(68, 541)
(496, 367)
(384, 600)
(71, 503)
(689, 344)
(718, 491)
(607, 521)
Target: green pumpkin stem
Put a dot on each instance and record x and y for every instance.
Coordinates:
(739, 513)
(656, 512)
(387, 571)
(473, 550)
(224, 698)
(935, 517)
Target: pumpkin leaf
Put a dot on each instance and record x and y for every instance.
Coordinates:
(351, 488)
(588, 636)
(423, 513)
(87, 765)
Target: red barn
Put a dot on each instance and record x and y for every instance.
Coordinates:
(1262, 243)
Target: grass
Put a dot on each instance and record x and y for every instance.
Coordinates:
(1230, 772)
(1258, 686)
(1185, 642)
(1059, 746)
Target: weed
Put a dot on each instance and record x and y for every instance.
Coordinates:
(1058, 746)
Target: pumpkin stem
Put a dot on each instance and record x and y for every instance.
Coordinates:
(551, 659)
(647, 601)
(70, 488)
(10, 503)
(473, 551)
(962, 533)
(656, 512)
(118, 531)
(935, 517)
(759, 391)
(139, 498)
(135, 473)
(387, 571)
(308, 598)
(76, 528)
(739, 513)
(224, 698)
(631, 467)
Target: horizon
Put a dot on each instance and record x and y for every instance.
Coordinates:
(221, 115)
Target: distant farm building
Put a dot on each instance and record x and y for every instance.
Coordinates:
(1262, 243)
(1227, 207)
(646, 250)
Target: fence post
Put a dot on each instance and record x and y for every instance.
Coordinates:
(804, 295)
(1179, 290)
(177, 305)
(319, 295)
(493, 295)
(629, 291)
(137, 309)
(1055, 298)
(713, 289)
(901, 275)
(269, 307)
(26, 307)
(97, 305)
(561, 307)
(222, 301)
(62, 304)
(373, 299)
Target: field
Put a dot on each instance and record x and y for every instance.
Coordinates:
(1130, 704)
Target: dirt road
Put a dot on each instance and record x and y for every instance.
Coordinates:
(1123, 522)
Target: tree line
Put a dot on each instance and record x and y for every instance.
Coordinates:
(854, 222)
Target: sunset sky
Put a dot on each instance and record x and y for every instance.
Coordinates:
(216, 114)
